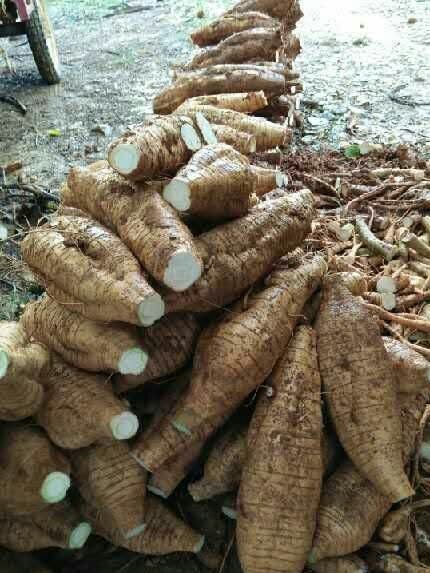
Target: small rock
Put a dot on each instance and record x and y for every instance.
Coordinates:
(361, 42)
(412, 20)
(102, 129)
(200, 14)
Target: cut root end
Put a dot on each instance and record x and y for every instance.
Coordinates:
(4, 363)
(156, 491)
(124, 158)
(177, 193)
(386, 285)
(388, 300)
(199, 545)
(54, 488)
(124, 426)
(190, 137)
(151, 310)
(133, 361)
(229, 512)
(183, 270)
(181, 427)
(79, 535)
(135, 531)
(206, 129)
(140, 462)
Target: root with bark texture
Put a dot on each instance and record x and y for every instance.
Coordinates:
(269, 315)
(217, 82)
(80, 408)
(88, 268)
(246, 46)
(111, 481)
(240, 252)
(170, 345)
(351, 507)
(164, 532)
(22, 365)
(33, 473)
(268, 134)
(352, 356)
(146, 223)
(284, 459)
(243, 142)
(84, 343)
(224, 465)
(216, 184)
(158, 146)
(228, 25)
(57, 526)
(244, 102)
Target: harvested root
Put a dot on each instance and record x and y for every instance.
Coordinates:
(395, 524)
(22, 365)
(345, 564)
(414, 242)
(170, 345)
(80, 409)
(33, 472)
(355, 282)
(216, 184)
(111, 481)
(386, 300)
(253, 243)
(159, 145)
(351, 507)
(349, 513)
(274, 532)
(166, 479)
(268, 134)
(56, 526)
(375, 245)
(270, 315)
(268, 179)
(245, 46)
(389, 284)
(228, 25)
(88, 268)
(273, 8)
(412, 371)
(245, 143)
(148, 225)
(205, 83)
(164, 532)
(359, 385)
(392, 563)
(223, 468)
(243, 102)
(85, 344)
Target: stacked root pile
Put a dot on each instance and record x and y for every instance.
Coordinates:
(206, 310)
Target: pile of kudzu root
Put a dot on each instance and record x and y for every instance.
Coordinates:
(206, 308)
